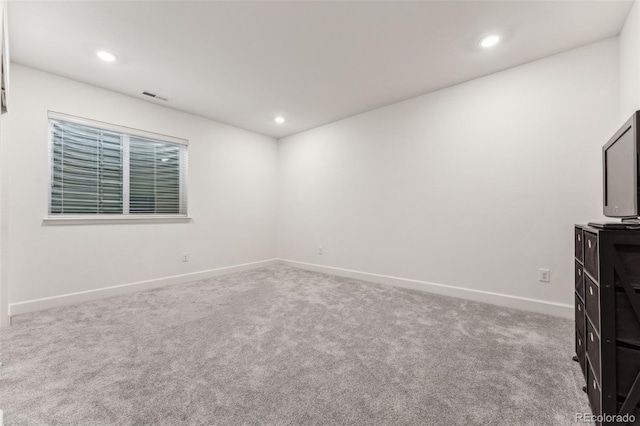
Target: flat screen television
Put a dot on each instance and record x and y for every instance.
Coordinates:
(621, 173)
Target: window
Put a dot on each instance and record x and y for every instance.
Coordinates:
(103, 169)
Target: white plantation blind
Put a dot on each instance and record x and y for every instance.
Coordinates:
(154, 178)
(102, 169)
(87, 170)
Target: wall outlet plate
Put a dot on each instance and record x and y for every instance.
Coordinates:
(544, 275)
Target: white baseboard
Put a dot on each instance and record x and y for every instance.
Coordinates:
(117, 290)
(523, 303)
(527, 304)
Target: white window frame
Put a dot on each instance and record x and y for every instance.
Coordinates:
(126, 132)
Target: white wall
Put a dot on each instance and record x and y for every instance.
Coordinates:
(630, 64)
(475, 186)
(232, 197)
(4, 205)
(4, 284)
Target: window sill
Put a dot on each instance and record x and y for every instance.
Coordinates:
(109, 219)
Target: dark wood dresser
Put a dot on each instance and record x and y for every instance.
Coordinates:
(607, 308)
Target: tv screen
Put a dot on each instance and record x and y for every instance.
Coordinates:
(620, 158)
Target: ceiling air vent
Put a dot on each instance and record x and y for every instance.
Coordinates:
(153, 95)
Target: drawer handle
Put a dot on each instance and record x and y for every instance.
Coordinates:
(591, 290)
(579, 272)
(578, 237)
(591, 335)
(589, 243)
(579, 308)
(579, 342)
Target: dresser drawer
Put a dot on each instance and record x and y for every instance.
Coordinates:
(579, 276)
(581, 351)
(628, 368)
(578, 239)
(628, 326)
(579, 315)
(591, 261)
(593, 349)
(593, 391)
(635, 412)
(592, 302)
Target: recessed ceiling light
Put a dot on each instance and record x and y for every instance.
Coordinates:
(106, 56)
(490, 41)
(279, 119)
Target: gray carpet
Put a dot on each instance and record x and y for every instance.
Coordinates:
(285, 346)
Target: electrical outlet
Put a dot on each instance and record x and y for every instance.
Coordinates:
(185, 257)
(320, 251)
(544, 275)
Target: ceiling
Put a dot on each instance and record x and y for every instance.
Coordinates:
(244, 63)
